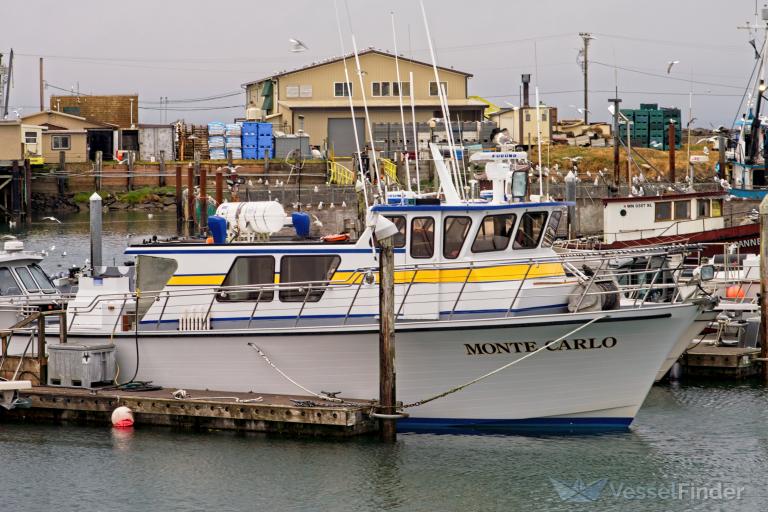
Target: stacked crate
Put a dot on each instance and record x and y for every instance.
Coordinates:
(650, 126)
(257, 140)
(216, 141)
(233, 133)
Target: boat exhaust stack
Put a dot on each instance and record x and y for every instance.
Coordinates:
(96, 213)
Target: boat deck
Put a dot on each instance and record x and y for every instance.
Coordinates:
(200, 410)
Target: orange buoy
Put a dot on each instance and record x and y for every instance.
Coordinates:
(209, 240)
(341, 237)
(734, 292)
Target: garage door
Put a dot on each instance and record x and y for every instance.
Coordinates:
(341, 136)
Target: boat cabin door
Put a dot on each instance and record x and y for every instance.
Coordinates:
(418, 283)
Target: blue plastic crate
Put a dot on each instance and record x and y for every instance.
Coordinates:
(265, 129)
(250, 154)
(250, 140)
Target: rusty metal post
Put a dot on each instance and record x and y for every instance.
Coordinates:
(179, 206)
(764, 286)
(387, 377)
(41, 360)
(190, 200)
(203, 201)
(219, 187)
(721, 148)
(671, 144)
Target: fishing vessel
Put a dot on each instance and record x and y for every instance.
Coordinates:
(478, 286)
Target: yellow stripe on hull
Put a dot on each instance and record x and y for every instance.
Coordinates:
(459, 275)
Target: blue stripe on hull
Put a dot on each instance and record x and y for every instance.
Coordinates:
(756, 194)
(502, 426)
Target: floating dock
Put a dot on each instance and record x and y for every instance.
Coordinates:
(199, 410)
(721, 362)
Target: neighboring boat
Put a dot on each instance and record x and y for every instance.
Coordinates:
(478, 286)
(24, 286)
(696, 217)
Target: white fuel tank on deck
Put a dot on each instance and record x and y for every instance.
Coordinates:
(254, 217)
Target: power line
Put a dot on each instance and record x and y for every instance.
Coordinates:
(191, 109)
(647, 73)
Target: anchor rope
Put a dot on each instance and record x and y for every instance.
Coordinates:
(497, 370)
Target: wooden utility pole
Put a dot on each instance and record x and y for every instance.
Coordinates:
(42, 87)
(586, 38)
(671, 144)
(764, 286)
(387, 378)
(161, 179)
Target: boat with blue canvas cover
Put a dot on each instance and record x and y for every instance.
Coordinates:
(478, 286)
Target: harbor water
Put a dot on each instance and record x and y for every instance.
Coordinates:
(694, 446)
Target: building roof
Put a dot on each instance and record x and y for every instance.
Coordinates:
(70, 116)
(379, 103)
(514, 109)
(349, 56)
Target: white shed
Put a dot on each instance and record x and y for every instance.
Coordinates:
(154, 138)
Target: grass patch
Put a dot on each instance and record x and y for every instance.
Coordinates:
(133, 197)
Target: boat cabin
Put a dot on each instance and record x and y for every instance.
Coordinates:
(643, 217)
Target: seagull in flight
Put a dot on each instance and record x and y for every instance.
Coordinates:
(297, 46)
(671, 64)
(52, 218)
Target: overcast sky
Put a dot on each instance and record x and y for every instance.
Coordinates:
(195, 49)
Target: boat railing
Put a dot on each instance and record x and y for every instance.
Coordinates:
(583, 276)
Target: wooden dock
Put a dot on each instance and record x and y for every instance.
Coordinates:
(722, 362)
(200, 410)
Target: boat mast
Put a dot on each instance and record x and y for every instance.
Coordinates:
(400, 98)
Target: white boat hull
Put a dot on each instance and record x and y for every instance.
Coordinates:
(599, 377)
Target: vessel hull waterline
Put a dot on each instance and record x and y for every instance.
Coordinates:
(598, 376)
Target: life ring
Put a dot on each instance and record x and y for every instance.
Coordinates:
(340, 237)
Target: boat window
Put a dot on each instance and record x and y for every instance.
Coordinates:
(422, 237)
(663, 211)
(494, 233)
(8, 285)
(682, 210)
(455, 231)
(399, 239)
(530, 230)
(702, 206)
(315, 271)
(551, 233)
(26, 279)
(717, 208)
(249, 271)
(42, 279)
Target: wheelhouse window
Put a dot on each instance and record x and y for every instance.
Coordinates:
(717, 207)
(422, 237)
(494, 233)
(398, 240)
(663, 211)
(26, 279)
(530, 230)
(249, 271)
(61, 142)
(311, 275)
(342, 89)
(42, 279)
(433, 91)
(702, 208)
(8, 284)
(455, 231)
(551, 232)
(682, 210)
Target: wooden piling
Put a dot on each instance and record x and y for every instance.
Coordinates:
(219, 187)
(671, 144)
(203, 201)
(387, 378)
(179, 205)
(161, 178)
(721, 148)
(41, 359)
(130, 170)
(15, 190)
(98, 169)
(190, 200)
(28, 190)
(764, 286)
(229, 158)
